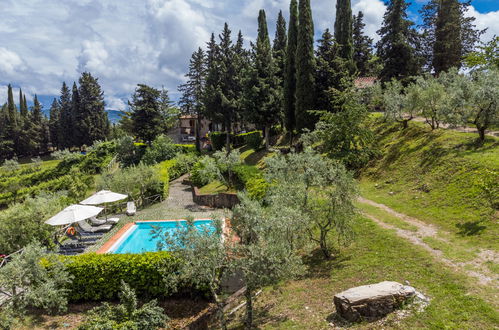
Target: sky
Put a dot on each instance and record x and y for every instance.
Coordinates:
(126, 42)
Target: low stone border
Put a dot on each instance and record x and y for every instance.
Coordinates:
(219, 201)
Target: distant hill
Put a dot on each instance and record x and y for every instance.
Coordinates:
(113, 115)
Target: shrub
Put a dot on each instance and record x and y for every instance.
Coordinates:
(162, 148)
(204, 171)
(253, 139)
(164, 175)
(182, 164)
(126, 315)
(10, 165)
(257, 188)
(23, 223)
(218, 140)
(128, 152)
(138, 182)
(98, 276)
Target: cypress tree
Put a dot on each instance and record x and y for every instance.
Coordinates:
(449, 34)
(305, 67)
(77, 125)
(362, 45)
(23, 107)
(343, 29)
(54, 123)
(191, 101)
(290, 76)
(447, 50)
(396, 48)
(65, 135)
(11, 109)
(279, 47)
(38, 128)
(210, 97)
(241, 63)
(279, 55)
(262, 89)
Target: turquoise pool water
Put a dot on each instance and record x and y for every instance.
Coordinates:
(139, 238)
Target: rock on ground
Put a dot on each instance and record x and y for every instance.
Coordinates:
(370, 302)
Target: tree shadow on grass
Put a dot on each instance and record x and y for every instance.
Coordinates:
(319, 267)
(471, 228)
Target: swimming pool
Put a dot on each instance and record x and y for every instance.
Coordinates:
(139, 238)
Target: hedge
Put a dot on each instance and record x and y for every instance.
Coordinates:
(163, 169)
(251, 178)
(218, 140)
(97, 277)
(186, 148)
(252, 139)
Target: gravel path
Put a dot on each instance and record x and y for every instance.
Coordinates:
(475, 268)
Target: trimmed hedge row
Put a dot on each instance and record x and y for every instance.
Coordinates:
(97, 277)
(252, 139)
(251, 178)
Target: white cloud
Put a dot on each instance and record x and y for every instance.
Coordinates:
(489, 21)
(45, 42)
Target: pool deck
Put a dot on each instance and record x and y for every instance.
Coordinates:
(105, 248)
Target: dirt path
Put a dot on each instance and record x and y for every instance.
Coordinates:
(475, 268)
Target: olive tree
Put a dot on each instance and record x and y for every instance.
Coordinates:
(265, 255)
(400, 104)
(36, 279)
(484, 100)
(321, 192)
(431, 99)
(206, 259)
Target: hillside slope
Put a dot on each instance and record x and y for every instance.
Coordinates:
(441, 177)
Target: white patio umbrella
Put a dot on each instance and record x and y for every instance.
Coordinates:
(103, 197)
(72, 214)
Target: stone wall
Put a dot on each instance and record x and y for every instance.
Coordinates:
(219, 201)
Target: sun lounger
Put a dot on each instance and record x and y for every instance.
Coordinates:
(91, 229)
(131, 209)
(99, 222)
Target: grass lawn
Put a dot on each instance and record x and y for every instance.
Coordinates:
(214, 188)
(434, 176)
(377, 255)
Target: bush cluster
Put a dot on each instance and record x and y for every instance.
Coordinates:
(99, 276)
(251, 179)
(138, 182)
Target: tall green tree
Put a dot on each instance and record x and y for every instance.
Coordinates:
(396, 47)
(39, 128)
(23, 107)
(279, 55)
(262, 85)
(151, 113)
(54, 123)
(343, 30)
(290, 75)
(223, 83)
(449, 34)
(11, 108)
(66, 132)
(192, 91)
(76, 118)
(305, 67)
(93, 122)
(362, 46)
(332, 71)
